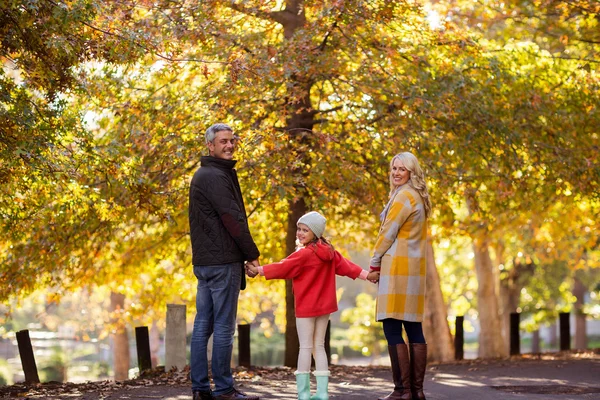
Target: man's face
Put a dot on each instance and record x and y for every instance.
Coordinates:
(223, 146)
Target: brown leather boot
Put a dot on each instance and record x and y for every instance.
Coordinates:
(418, 365)
(400, 373)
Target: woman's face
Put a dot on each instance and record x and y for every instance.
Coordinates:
(400, 175)
(304, 234)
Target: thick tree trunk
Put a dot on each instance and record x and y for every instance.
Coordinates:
(580, 322)
(440, 346)
(490, 335)
(490, 332)
(119, 337)
(292, 344)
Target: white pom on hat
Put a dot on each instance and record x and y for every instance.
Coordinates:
(315, 222)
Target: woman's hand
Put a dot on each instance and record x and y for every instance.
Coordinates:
(373, 276)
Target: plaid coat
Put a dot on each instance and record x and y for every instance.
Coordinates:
(400, 251)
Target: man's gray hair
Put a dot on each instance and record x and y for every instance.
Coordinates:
(211, 132)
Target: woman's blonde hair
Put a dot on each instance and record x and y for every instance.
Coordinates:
(416, 180)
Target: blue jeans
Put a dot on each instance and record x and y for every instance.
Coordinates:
(216, 310)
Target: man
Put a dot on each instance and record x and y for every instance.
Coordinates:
(221, 244)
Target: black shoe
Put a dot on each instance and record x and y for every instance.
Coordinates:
(198, 395)
(235, 395)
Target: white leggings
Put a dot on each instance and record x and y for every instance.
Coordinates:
(311, 334)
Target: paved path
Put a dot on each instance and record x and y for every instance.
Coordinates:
(576, 379)
(501, 380)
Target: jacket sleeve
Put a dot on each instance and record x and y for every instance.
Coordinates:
(345, 267)
(399, 212)
(288, 268)
(219, 193)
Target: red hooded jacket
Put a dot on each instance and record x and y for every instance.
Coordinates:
(312, 270)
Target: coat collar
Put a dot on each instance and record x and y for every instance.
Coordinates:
(208, 161)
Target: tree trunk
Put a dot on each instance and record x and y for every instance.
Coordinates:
(154, 344)
(292, 344)
(299, 125)
(490, 332)
(119, 337)
(580, 322)
(490, 335)
(506, 296)
(553, 335)
(440, 346)
(512, 281)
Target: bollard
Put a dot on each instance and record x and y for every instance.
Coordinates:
(459, 339)
(515, 342)
(142, 343)
(535, 342)
(565, 331)
(175, 337)
(27, 358)
(244, 345)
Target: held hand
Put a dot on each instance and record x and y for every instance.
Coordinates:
(251, 270)
(373, 276)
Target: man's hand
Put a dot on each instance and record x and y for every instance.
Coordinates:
(252, 268)
(373, 276)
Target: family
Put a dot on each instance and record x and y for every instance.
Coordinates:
(224, 252)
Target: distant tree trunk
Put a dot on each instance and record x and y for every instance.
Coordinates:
(490, 335)
(580, 322)
(512, 281)
(292, 344)
(553, 336)
(440, 346)
(119, 337)
(505, 296)
(154, 344)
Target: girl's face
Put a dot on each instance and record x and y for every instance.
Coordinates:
(400, 175)
(304, 234)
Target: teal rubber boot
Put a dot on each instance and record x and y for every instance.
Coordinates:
(303, 385)
(322, 386)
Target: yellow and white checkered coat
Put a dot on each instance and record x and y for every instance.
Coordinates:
(400, 250)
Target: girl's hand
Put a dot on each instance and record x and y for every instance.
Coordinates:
(373, 276)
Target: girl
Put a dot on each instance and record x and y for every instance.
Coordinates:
(312, 269)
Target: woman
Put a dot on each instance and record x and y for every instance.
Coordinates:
(400, 256)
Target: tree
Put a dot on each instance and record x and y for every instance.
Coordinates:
(323, 95)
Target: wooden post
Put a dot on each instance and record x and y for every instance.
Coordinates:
(565, 331)
(142, 342)
(27, 358)
(535, 342)
(175, 338)
(244, 355)
(515, 342)
(459, 339)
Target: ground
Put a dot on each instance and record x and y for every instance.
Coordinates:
(566, 375)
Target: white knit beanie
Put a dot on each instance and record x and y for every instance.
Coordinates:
(315, 221)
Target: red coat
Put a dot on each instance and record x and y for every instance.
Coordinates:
(312, 270)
